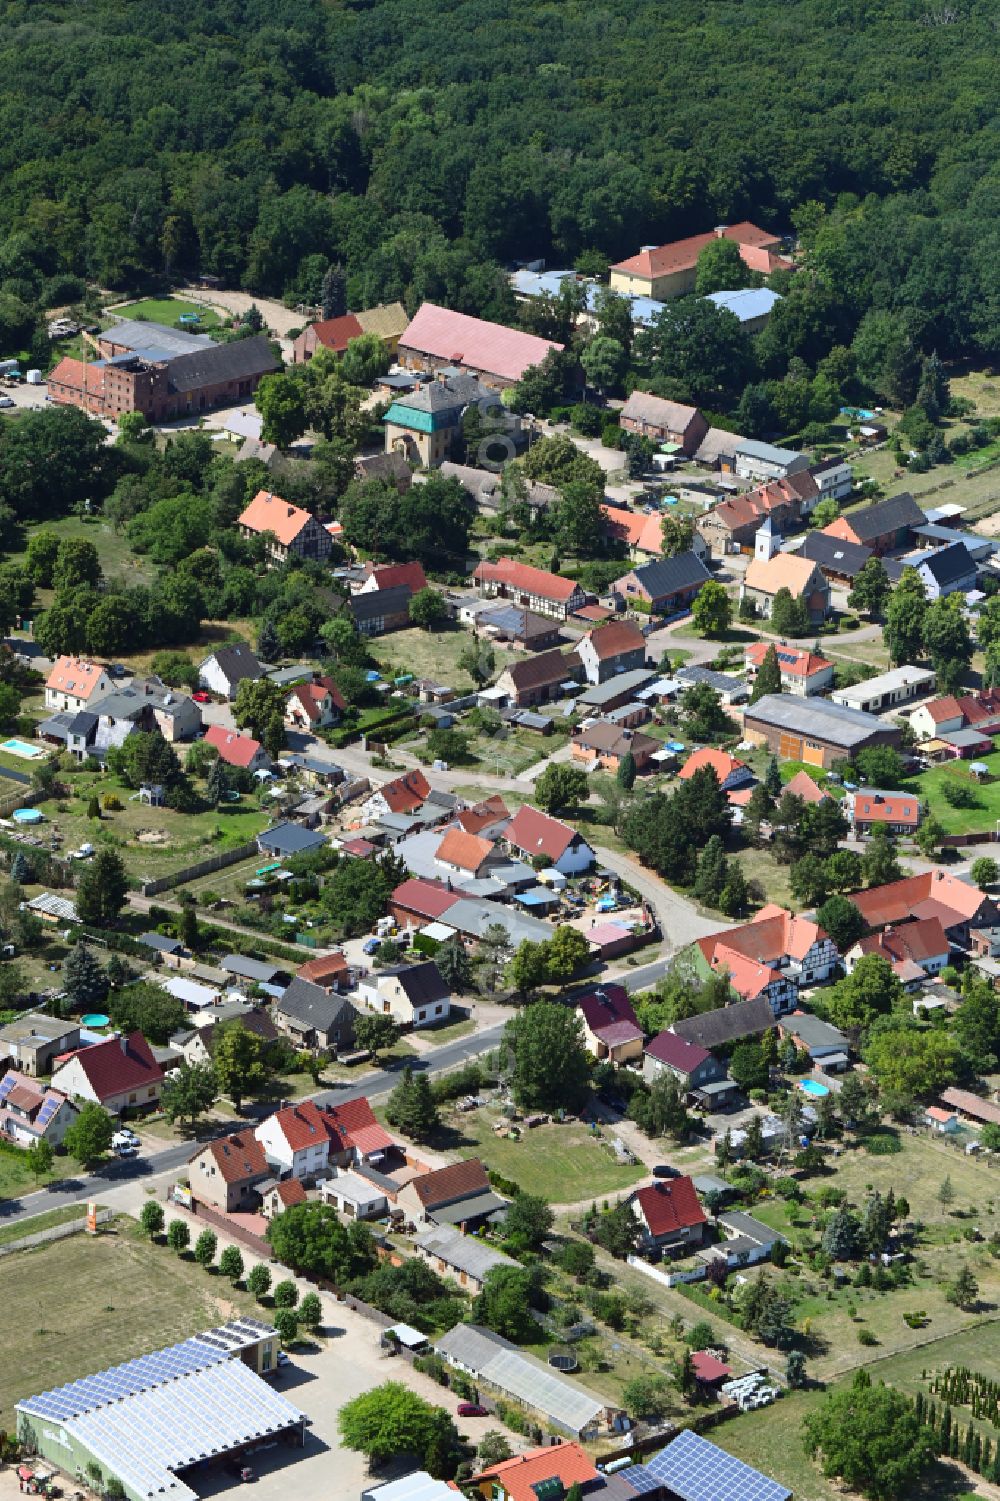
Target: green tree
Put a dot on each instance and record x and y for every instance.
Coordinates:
(40, 559)
(493, 1449)
(905, 615)
(911, 1064)
(503, 1303)
(561, 787)
(704, 715)
(281, 404)
(189, 1093)
(364, 360)
(646, 1397)
(286, 1294)
(41, 1156)
(239, 1062)
(375, 1032)
(178, 1236)
(879, 862)
(311, 1313)
(809, 881)
(985, 871)
(871, 990)
(963, 1292)
(677, 535)
(88, 1139)
(626, 773)
(231, 1264)
(312, 1239)
(454, 965)
(427, 608)
(205, 1248)
(565, 953)
(84, 978)
(789, 615)
(143, 1007)
(712, 873)
(712, 610)
(151, 1218)
(869, 1437)
(411, 1107)
(947, 640)
(842, 920)
(871, 588)
(256, 704)
(841, 1237)
(390, 1420)
(529, 1221)
(768, 679)
(528, 969)
(824, 514)
(604, 362)
(287, 1324)
(102, 889)
(259, 1281)
(550, 1069)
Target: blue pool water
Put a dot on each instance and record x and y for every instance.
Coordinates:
(813, 1087)
(22, 748)
(28, 815)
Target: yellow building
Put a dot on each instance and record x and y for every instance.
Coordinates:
(667, 271)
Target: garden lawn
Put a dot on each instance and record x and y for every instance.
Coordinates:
(929, 787)
(121, 1297)
(117, 557)
(430, 654)
(167, 310)
(563, 1163)
(17, 1179)
(770, 1440)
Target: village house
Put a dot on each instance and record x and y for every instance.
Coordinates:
(463, 1258)
(545, 593)
(664, 586)
(884, 527)
(34, 1040)
(766, 462)
(887, 692)
(642, 532)
(730, 527)
(772, 955)
(691, 1065)
(662, 421)
(532, 834)
(306, 1140)
(414, 995)
(610, 1027)
(899, 812)
(606, 744)
(380, 611)
(803, 786)
(916, 950)
(316, 1017)
(835, 478)
(289, 530)
(546, 1474)
(316, 704)
(537, 680)
(615, 647)
(226, 668)
(825, 1046)
(462, 854)
(458, 1195)
(948, 570)
(839, 561)
(803, 580)
(663, 272)
(960, 906)
(814, 730)
(227, 1173)
(404, 794)
(275, 1198)
(803, 672)
(438, 338)
(670, 1216)
(331, 972)
(730, 773)
(953, 712)
(787, 501)
(237, 750)
(520, 627)
(388, 321)
(29, 1112)
(424, 425)
(73, 683)
(198, 1045)
(389, 575)
(417, 902)
(727, 1024)
(120, 1074)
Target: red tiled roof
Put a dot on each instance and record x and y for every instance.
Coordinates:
(721, 762)
(708, 1368)
(388, 575)
(886, 807)
(237, 750)
(459, 1180)
(306, 1123)
(535, 581)
(564, 1462)
(78, 375)
(337, 333)
(360, 848)
(428, 899)
(325, 968)
(918, 941)
(682, 255)
(802, 785)
(676, 1053)
(736, 515)
(119, 1065)
(972, 1104)
(269, 513)
(794, 662)
(407, 792)
(771, 935)
(291, 1192)
(535, 833)
(474, 343)
(615, 639)
(490, 811)
(607, 1007)
(670, 1205)
(937, 1114)
(311, 695)
(747, 977)
(74, 675)
(593, 612)
(467, 851)
(641, 531)
(952, 899)
(942, 709)
(238, 1156)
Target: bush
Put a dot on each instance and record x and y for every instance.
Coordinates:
(850, 623)
(866, 1337)
(883, 1143)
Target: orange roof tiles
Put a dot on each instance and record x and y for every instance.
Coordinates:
(269, 513)
(802, 785)
(783, 571)
(522, 576)
(670, 1206)
(236, 750)
(74, 675)
(467, 851)
(407, 792)
(721, 762)
(793, 660)
(388, 575)
(237, 1156)
(886, 807)
(535, 833)
(615, 639)
(932, 893)
(644, 533)
(682, 255)
(518, 1477)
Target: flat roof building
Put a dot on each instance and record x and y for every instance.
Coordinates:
(888, 691)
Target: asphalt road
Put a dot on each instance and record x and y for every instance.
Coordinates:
(374, 1084)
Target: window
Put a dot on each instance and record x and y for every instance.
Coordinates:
(132, 1099)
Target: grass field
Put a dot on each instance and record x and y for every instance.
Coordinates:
(117, 558)
(20, 1229)
(167, 310)
(929, 787)
(430, 654)
(109, 1299)
(563, 1163)
(978, 1348)
(17, 1179)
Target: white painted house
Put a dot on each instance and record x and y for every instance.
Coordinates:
(73, 683)
(414, 995)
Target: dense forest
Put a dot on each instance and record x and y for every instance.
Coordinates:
(423, 145)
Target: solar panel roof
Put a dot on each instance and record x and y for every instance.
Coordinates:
(696, 1470)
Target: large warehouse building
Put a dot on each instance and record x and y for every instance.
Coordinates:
(153, 1420)
(815, 730)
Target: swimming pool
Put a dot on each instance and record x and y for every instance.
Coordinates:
(27, 815)
(813, 1087)
(23, 749)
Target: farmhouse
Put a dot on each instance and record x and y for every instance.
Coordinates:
(227, 1172)
(813, 730)
(458, 1195)
(288, 530)
(73, 683)
(884, 527)
(665, 585)
(120, 1074)
(664, 422)
(315, 704)
(225, 669)
(615, 647)
(839, 561)
(691, 1065)
(606, 744)
(237, 750)
(730, 526)
(463, 1258)
(545, 593)
(439, 338)
(899, 812)
(669, 1214)
(803, 672)
(536, 680)
(958, 904)
(315, 1017)
(414, 995)
(726, 1024)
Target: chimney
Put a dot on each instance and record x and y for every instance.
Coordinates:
(720, 231)
(123, 1043)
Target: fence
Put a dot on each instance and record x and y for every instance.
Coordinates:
(668, 1279)
(961, 841)
(20, 799)
(54, 1232)
(200, 868)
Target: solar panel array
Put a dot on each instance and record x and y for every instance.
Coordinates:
(696, 1470)
(50, 1107)
(6, 1085)
(140, 1375)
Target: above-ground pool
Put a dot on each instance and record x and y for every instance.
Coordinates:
(94, 1019)
(813, 1087)
(23, 749)
(27, 815)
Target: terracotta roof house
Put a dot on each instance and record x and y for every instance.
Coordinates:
(403, 794)
(899, 812)
(788, 499)
(730, 526)
(537, 1474)
(388, 321)
(784, 941)
(618, 646)
(305, 1139)
(803, 786)
(933, 893)
(730, 773)
(545, 593)
(883, 527)
(532, 833)
(227, 1172)
(663, 272)
(691, 1065)
(803, 672)
(416, 902)
(610, 1028)
(226, 668)
(665, 585)
(290, 530)
(316, 704)
(31, 1112)
(74, 682)
(458, 1194)
(539, 679)
(438, 337)
(277, 1197)
(669, 1214)
(943, 716)
(714, 1029)
(461, 853)
(390, 575)
(803, 580)
(237, 750)
(315, 1016)
(664, 421)
(641, 532)
(607, 744)
(329, 971)
(922, 942)
(752, 979)
(120, 1074)
(488, 818)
